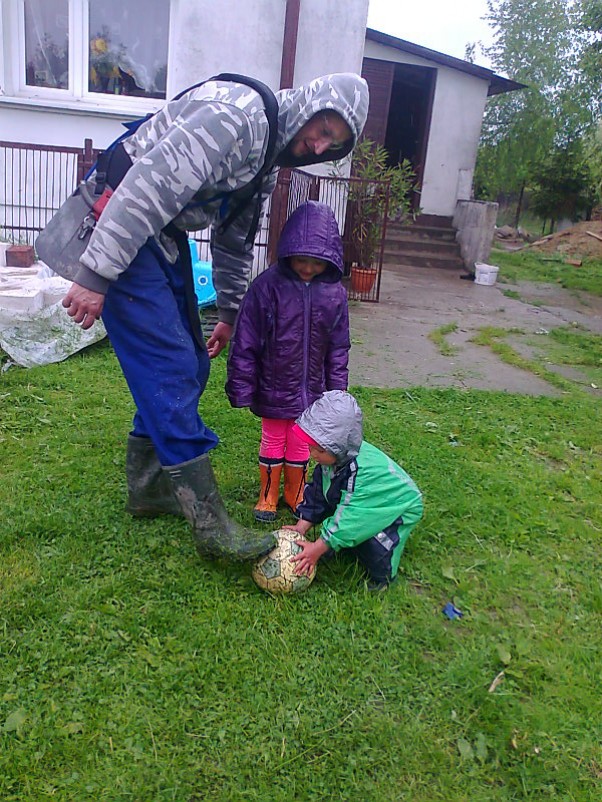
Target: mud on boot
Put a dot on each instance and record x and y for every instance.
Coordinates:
(149, 490)
(215, 533)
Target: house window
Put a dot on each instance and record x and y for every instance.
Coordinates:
(87, 49)
(127, 52)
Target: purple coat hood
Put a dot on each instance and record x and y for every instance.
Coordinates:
(291, 339)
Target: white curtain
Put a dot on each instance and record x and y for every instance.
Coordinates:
(47, 43)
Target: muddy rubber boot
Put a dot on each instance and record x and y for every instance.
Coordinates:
(149, 489)
(295, 474)
(215, 534)
(269, 472)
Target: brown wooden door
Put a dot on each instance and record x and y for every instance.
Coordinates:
(379, 76)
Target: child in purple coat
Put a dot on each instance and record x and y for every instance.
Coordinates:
(291, 344)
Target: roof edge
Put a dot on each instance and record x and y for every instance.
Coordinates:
(497, 83)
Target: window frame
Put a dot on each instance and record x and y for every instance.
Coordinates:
(77, 94)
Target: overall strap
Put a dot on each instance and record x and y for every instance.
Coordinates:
(256, 184)
(101, 165)
(192, 306)
(271, 111)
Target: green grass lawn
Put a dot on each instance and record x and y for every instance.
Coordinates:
(133, 670)
(529, 265)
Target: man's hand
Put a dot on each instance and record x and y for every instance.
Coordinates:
(310, 555)
(220, 337)
(83, 305)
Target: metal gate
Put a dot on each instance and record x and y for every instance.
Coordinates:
(37, 179)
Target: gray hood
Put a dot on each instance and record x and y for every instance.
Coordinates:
(343, 92)
(335, 423)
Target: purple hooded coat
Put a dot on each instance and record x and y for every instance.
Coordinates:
(291, 338)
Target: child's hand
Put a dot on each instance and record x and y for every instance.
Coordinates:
(309, 556)
(301, 527)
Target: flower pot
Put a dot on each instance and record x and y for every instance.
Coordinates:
(362, 279)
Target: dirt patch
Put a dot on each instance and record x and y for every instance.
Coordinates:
(579, 241)
(391, 345)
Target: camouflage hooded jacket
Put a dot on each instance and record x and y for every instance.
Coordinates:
(209, 142)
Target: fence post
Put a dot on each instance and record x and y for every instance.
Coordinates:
(314, 188)
(85, 160)
(278, 212)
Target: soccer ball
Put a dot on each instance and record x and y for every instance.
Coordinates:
(275, 572)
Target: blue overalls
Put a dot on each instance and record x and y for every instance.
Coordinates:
(154, 327)
(146, 317)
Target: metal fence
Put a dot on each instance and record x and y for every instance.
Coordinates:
(37, 179)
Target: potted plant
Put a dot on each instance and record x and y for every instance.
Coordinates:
(377, 192)
(362, 279)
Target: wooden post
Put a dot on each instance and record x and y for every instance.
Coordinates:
(85, 160)
(314, 188)
(279, 201)
(278, 212)
(289, 43)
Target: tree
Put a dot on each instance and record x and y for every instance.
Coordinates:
(591, 22)
(540, 43)
(564, 186)
(592, 153)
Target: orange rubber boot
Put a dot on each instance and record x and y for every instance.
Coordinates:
(295, 474)
(270, 472)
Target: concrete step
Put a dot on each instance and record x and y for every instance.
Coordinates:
(421, 232)
(424, 221)
(429, 241)
(440, 221)
(426, 244)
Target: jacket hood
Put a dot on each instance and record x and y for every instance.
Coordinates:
(312, 230)
(343, 92)
(335, 421)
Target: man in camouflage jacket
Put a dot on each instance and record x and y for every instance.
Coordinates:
(189, 163)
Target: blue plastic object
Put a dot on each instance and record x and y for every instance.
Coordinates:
(451, 611)
(202, 275)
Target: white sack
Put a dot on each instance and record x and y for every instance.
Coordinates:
(35, 329)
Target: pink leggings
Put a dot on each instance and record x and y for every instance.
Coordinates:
(279, 442)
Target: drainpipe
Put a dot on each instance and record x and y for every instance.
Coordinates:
(289, 43)
(279, 202)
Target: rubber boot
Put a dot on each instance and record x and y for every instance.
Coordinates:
(269, 472)
(215, 534)
(149, 489)
(295, 474)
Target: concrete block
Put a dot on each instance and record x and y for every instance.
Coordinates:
(20, 256)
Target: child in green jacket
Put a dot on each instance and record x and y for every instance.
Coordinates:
(363, 500)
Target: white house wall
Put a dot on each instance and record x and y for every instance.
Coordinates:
(330, 38)
(246, 37)
(457, 115)
(214, 36)
(43, 126)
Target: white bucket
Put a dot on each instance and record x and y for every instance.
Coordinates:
(485, 274)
